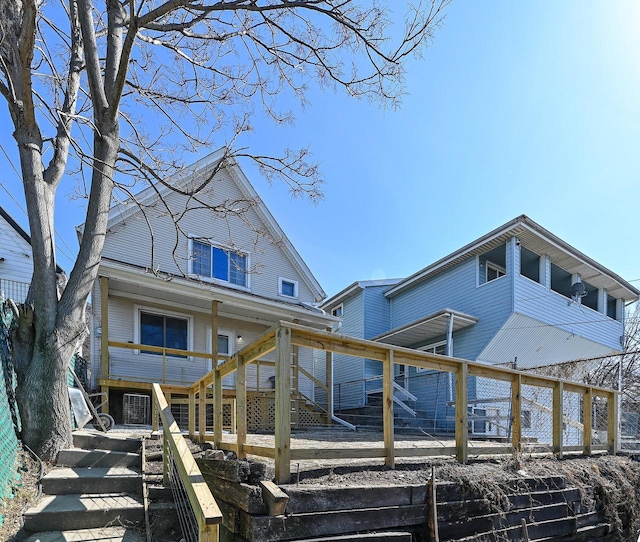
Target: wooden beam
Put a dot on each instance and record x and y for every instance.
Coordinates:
(462, 415)
(259, 348)
(275, 499)
(192, 414)
(516, 413)
(202, 411)
(558, 417)
(283, 406)
(321, 340)
(328, 370)
(241, 406)
(612, 422)
(387, 409)
(587, 417)
(217, 408)
(104, 337)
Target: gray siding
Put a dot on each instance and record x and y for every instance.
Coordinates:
(131, 240)
(537, 301)
(376, 311)
(348, 372)
(456, 289)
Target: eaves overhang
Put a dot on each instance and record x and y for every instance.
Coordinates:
(198, 295)
(537, 239)
(426, 328)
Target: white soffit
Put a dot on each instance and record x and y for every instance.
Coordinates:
(536, 344)
(426, 328)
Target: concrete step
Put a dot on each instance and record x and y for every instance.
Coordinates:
(76, 457)
(69, 512)
(65, 481)
(93, 441)
(104, 534)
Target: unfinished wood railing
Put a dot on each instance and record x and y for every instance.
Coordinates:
(285, 336)
(197, 510)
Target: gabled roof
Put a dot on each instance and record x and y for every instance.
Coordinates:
(21, 232)
(218, 159)
(357, 286)
(537, 239)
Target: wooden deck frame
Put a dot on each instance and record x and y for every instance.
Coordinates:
(285, 337)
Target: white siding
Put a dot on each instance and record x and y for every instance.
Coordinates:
(18, 264)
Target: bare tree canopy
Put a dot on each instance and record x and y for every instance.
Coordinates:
(110, 93)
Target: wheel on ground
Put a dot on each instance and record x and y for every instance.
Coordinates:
(106, 420)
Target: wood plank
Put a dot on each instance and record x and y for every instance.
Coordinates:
(283, 405)
(245, 497)
(260, 347)
(328, 369)
(217, 408)
(299, 526)
(192, 414)
(241, 406)
(587, 421)
(612, 422)
(340, 344)
(428, 452)
(335, 453)
(202, 410)
(204, 505)
(387, 409)
(558, 417)
(516, 413)
(312, 378)
(275, 499)
(462, 416)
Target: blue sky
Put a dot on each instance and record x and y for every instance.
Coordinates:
(517, 107)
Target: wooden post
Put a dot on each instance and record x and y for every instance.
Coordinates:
(462, 414)
(432, 507)
(164, 365)
(587, 416)
(241, 407)
(387, 409)
(192, 414)
(558, 417)
(612, 422)
(155, 421)
(296, 383)
(202, 411)
(166, 452)
(217, 409)
(104, 339)
(516, 413)
(283, 406)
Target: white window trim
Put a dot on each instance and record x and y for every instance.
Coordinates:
(429, 347)
(495, 267)
(137, 309)
(295, 288)
(232, 341)
(335, 309)
(214, 280)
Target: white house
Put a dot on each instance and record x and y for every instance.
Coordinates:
(16, 262)
(184, 272)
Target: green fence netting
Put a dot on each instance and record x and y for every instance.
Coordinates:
(9, 444)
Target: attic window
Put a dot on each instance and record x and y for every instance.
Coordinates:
(287, 288)
(337, 311)
(213, 262)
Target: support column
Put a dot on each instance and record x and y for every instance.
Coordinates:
(241, 406)
(587, 416)
(283, 406)
(387, 409)
(202, 411)
(217, 409)
(558, 418)
(462, 414)
(192, 414)
(516, 413)
(612, 422)
(104, 338)
(328, 360)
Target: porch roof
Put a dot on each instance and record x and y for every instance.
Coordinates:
(428, 327)
(142, 285)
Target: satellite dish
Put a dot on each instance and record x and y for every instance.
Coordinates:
(578, 290)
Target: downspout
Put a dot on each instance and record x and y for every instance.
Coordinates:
(330, 387)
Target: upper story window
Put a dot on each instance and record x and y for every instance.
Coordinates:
(612, 305)
(493, 264)
(560, 280)
(163, 331)
(218, 263)
(591, 299)
(288, 288)
(337, 311)
(529, 264)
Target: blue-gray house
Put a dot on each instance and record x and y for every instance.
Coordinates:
(518, 296)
